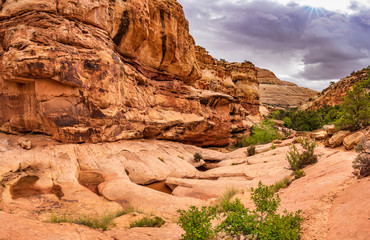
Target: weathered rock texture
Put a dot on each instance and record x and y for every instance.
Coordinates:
(109, 70)
(238, 80)
(277, 93)
(333, 95)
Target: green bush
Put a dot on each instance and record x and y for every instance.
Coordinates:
(355, 109)
(237, 221)
(299, 160)
(197, 223)
(148, 222)
(264, 132)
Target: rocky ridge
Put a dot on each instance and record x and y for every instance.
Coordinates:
(277, 93)
(333, 95)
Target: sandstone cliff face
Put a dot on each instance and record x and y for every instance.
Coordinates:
(333, 95)
(277, 93)
(238, 80)
(109, 70)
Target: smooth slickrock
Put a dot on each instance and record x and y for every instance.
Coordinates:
(14, 227)
(349, 216)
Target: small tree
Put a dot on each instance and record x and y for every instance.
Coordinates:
(355, 112)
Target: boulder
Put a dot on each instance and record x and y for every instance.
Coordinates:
(353, 139)
(337, 139)
(25, 143)
(330, 129)
(320, 134)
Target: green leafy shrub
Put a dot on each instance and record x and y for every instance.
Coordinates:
(197, 223)
(148, 222)
(251, 150)
(299, 160)
(237, 221)
(264, 132)
(355, 109)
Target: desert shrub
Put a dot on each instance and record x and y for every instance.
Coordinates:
(299, 173)
(362, 161)
(197, 157)
(197, 223)
(251, 150)
(261, 133)
(299, 160)
(148, 222)
(355, 109)
(238, 221)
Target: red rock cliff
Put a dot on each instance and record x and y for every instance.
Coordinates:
(111, 69)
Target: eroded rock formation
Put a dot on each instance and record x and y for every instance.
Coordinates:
(109, 70)
(333, 95)
(277, 93)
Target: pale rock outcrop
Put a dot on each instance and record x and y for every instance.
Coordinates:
(353, 139)
(319, 134)
(277, 93)
(337, 139)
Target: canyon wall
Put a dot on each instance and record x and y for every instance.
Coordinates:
(106, 70)
(277, 93)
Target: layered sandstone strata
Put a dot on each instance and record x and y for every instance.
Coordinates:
(235, 79)
(109, 70)
(277, 93)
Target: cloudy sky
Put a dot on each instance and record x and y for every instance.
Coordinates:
(308, 42)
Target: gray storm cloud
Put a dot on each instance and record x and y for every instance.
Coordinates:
(301, 43)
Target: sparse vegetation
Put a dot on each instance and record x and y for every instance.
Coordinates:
(251, 150)
(238, 221)
(298, 174)
(98, 222)
(148, 222)
(197, 157)
(273, 146)
(362, 162)
(299, 160)
(225, 197)
(261, 133)
(280, 184)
